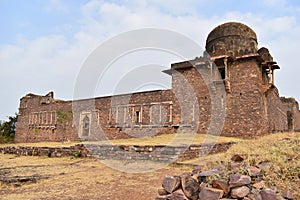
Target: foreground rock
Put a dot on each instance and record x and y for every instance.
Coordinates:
(223, 184)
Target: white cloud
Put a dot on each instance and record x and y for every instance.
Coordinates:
(274, 3)
(56, 6)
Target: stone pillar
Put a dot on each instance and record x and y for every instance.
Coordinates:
(51, 122)
(109, 115)
(171, 113)
(226, 68)
(117, 114)
(150, 114)
(141, 114)
(160, 112)
(132, 115)
(125, 110)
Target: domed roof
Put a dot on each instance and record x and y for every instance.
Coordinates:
(232, 38)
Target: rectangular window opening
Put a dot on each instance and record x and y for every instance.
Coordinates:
(138, 116)
(222, 72)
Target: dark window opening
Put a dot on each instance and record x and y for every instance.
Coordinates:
(290, 120)
(222, 72)
(138, 117)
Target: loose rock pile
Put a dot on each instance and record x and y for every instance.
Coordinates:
(221, 183)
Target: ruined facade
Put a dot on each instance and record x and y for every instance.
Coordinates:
(229, 90)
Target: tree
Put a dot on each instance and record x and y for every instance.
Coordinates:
(8, 129)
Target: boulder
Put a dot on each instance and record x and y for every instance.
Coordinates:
(162, 192)
(265, 165)
(171, 183)
(239, 157)
(202, 177)
(235, 167)
(259, 185)
(236, 180)
(253, 171)
(197, 170)
(222, 185)
(177, 195)
(210, 194)
(190, 186)
(240, 192)
(267, 194)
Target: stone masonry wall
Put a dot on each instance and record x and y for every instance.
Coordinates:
(232, 93)
(245, 114)
(123, 152)
(43, 121)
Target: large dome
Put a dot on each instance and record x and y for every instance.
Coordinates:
(231, 39)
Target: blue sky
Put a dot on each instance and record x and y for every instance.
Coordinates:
(43, 44)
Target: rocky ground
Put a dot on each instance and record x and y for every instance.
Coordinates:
(235, 180)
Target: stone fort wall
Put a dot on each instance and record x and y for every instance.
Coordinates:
(229, 90)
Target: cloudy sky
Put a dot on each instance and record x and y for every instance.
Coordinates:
(44, 44)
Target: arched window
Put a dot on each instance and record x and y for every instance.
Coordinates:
(86, 126)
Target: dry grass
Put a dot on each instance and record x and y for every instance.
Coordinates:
(79, 179)
(90, 179)
(166, 139)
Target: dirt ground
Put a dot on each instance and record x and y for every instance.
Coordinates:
(66, 178)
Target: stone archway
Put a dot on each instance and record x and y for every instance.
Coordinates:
(85, 126)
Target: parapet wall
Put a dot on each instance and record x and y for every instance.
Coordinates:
(122, 152)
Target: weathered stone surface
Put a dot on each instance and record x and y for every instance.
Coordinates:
(239, 157)
(171, 183)
(259, 185)
(287, 195)
(236, 180)
(210, 194)
(267, 194)
(235, 167)
(190, 186)
(222, 185)
(203, 184)
(240, 192)
(253, 171)
(227, 199)
(178, 195)
(196, 171)
(161, 197)
(162, 191)
(202, 177)
(265, 165)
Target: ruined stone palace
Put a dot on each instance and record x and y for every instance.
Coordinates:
(230, 88)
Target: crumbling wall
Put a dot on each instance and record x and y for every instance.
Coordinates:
(42, 118)
(277, 111)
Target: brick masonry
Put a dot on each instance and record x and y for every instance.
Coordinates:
(229, 90)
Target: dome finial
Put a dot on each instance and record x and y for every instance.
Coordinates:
(231, 39)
